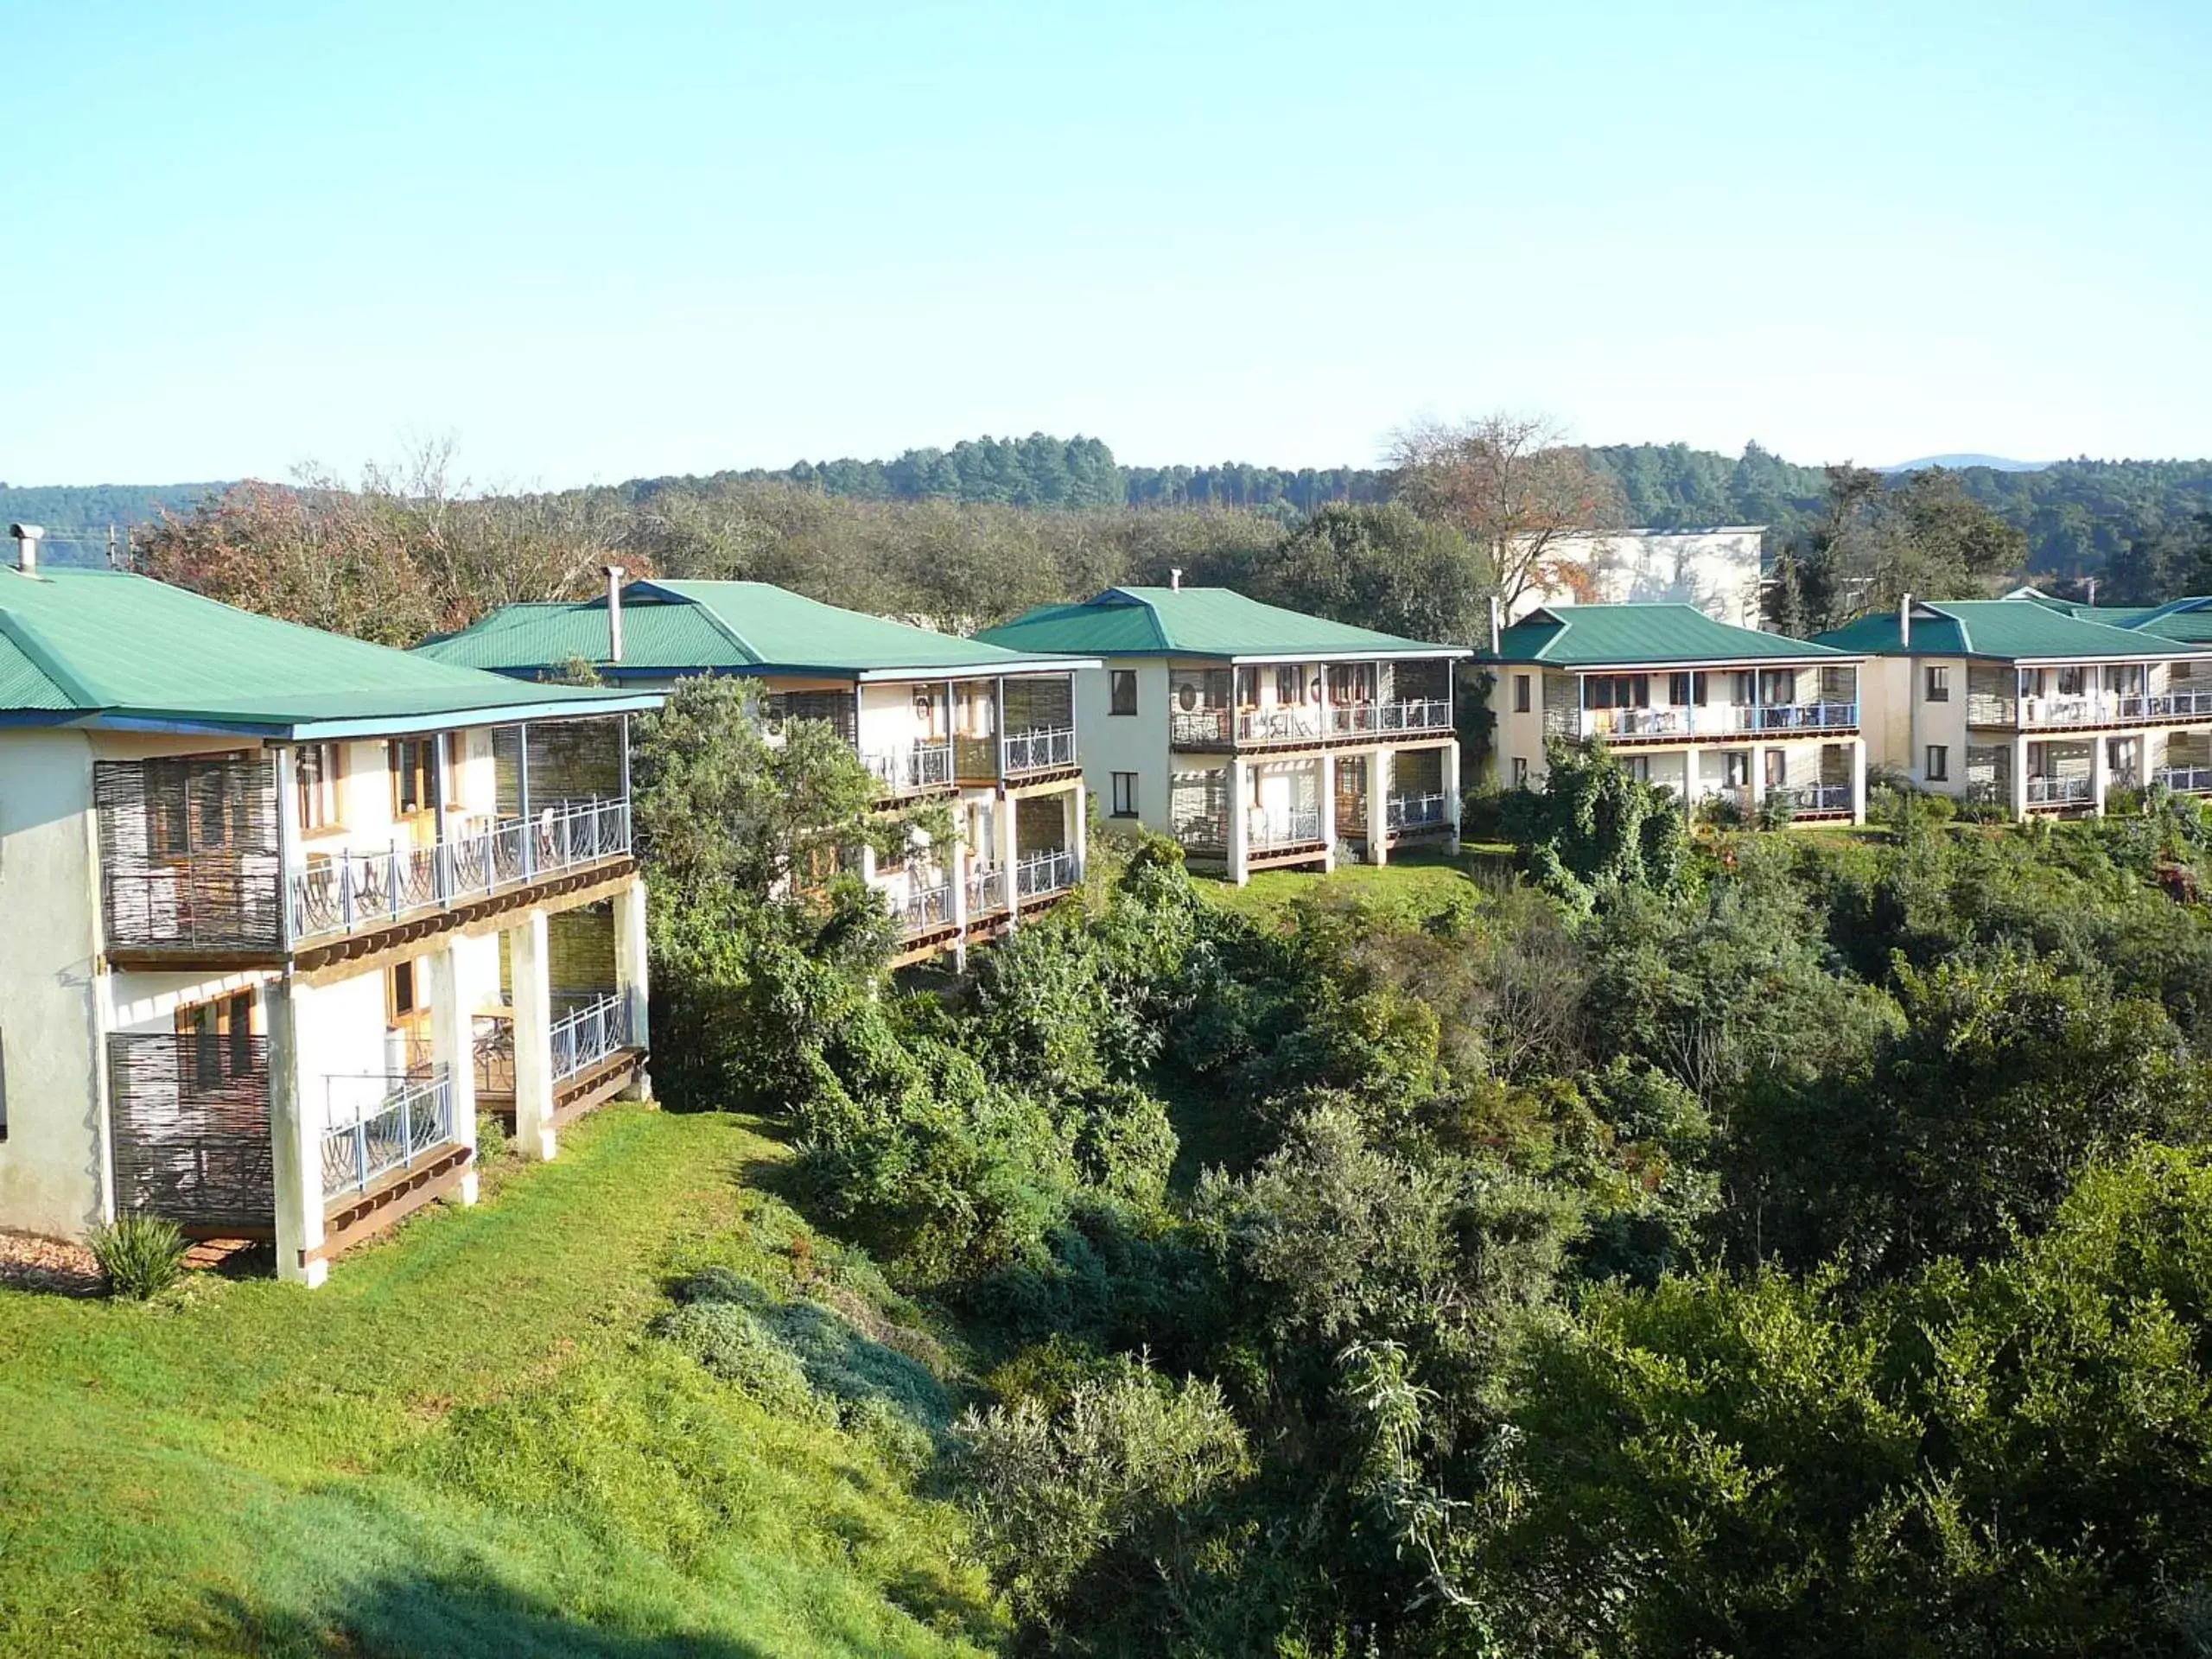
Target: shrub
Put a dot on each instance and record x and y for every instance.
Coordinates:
(493, 1142)
(140, 1256)
(735, 1347)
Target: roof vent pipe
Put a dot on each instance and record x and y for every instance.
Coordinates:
(1175, 581)
(614, 613)
(26, 540)
(1905, 623)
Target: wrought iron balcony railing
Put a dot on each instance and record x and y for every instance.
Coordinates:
(1038, 874)
(379, 1123)
(1400, 715)
(1812, 797)
(1291, 827)
(1045, 749)
(359, 887)
(595, 1029)
(2058, 792)
(986, 890)
(1413, 811)
(912, 767)
(924, 910)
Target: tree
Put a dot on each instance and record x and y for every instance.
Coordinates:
(1593, 827)
(1876, 541)
(1509, 483)
(1379, 567)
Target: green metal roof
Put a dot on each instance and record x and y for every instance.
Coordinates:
(2188, 620)
(2009, 630)
(113, 648)
(1195, 622)
(672, 628)
(1590, 636)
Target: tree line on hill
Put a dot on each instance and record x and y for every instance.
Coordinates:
(2136, 525)
(1733, 1245)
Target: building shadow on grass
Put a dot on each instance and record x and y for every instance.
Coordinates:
(448, 1617)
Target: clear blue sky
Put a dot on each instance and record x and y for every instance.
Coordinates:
(592, 241)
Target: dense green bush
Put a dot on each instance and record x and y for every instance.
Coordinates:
(140, 1257)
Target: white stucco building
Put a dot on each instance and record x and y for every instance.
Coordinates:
(280, 911)
(1718, 570)
(1257, 737)
(990, 732)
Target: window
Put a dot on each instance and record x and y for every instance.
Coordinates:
(1939, 683)
(412, 769)
(225, 1031)
(402, 994)
(1735, 769)
(1620, 691)
(1125, 794)
(1520, 772)
(1521, 694)
(1288, 690)
(1938, 769)
(1681, 689)
(2072, 682)
(315, 784)
(1123, 683)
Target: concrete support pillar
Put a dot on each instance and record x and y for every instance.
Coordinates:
(453, 1045)
(1379, 806)
(956, 868)
(2099, 773)
(631, 979)
(1328, 812)
(1240, 866)
(1757, 769)
(528, 958)
(1859, 780)
(2020, 776)
(1004, 823)
(295, 1126)
(1078, 809)
(1689, 780)
(1451, 756)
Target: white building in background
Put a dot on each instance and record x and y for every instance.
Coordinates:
(1718, 570)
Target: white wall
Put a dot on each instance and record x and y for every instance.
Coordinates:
(339, 1029)
(1108, 743)
(51, 1163)
(1717, 571)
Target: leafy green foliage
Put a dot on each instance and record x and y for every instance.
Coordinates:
(1593, 828)
(140, 1257)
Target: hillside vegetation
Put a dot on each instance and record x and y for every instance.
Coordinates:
(477, 1439)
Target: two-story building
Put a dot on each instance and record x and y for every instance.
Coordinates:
(1706, 708)
(280, 912)
(2027, 702)
(990, 731)
(1257, 737)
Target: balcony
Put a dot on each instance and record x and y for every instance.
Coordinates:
(2184, 780)
(1037, 874)
(986, 891)
(358, 888)
(1295, 826)
(1390, 719)
(1717, 721)
(1414, 812)
(378, 1124)
(1209, 727)
(1045, 749)
(1805, 800)
(924, 909)
(595, 1029)
(2090, 709)
(912, 768)
(2059, 791)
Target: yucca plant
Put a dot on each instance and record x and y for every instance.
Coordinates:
(141, 1256)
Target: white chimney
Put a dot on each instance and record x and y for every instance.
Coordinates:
(614, 613)
(1496, 626)
(1905, 623)
(1175, 582)
(26, 540)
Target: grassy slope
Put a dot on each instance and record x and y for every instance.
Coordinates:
(1414, 884)
(465, 1443)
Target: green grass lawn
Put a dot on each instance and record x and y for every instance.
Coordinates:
(466, 1443)
(1412, 885)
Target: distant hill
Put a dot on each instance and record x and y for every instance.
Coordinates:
(76, 516)
(1956, 463)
